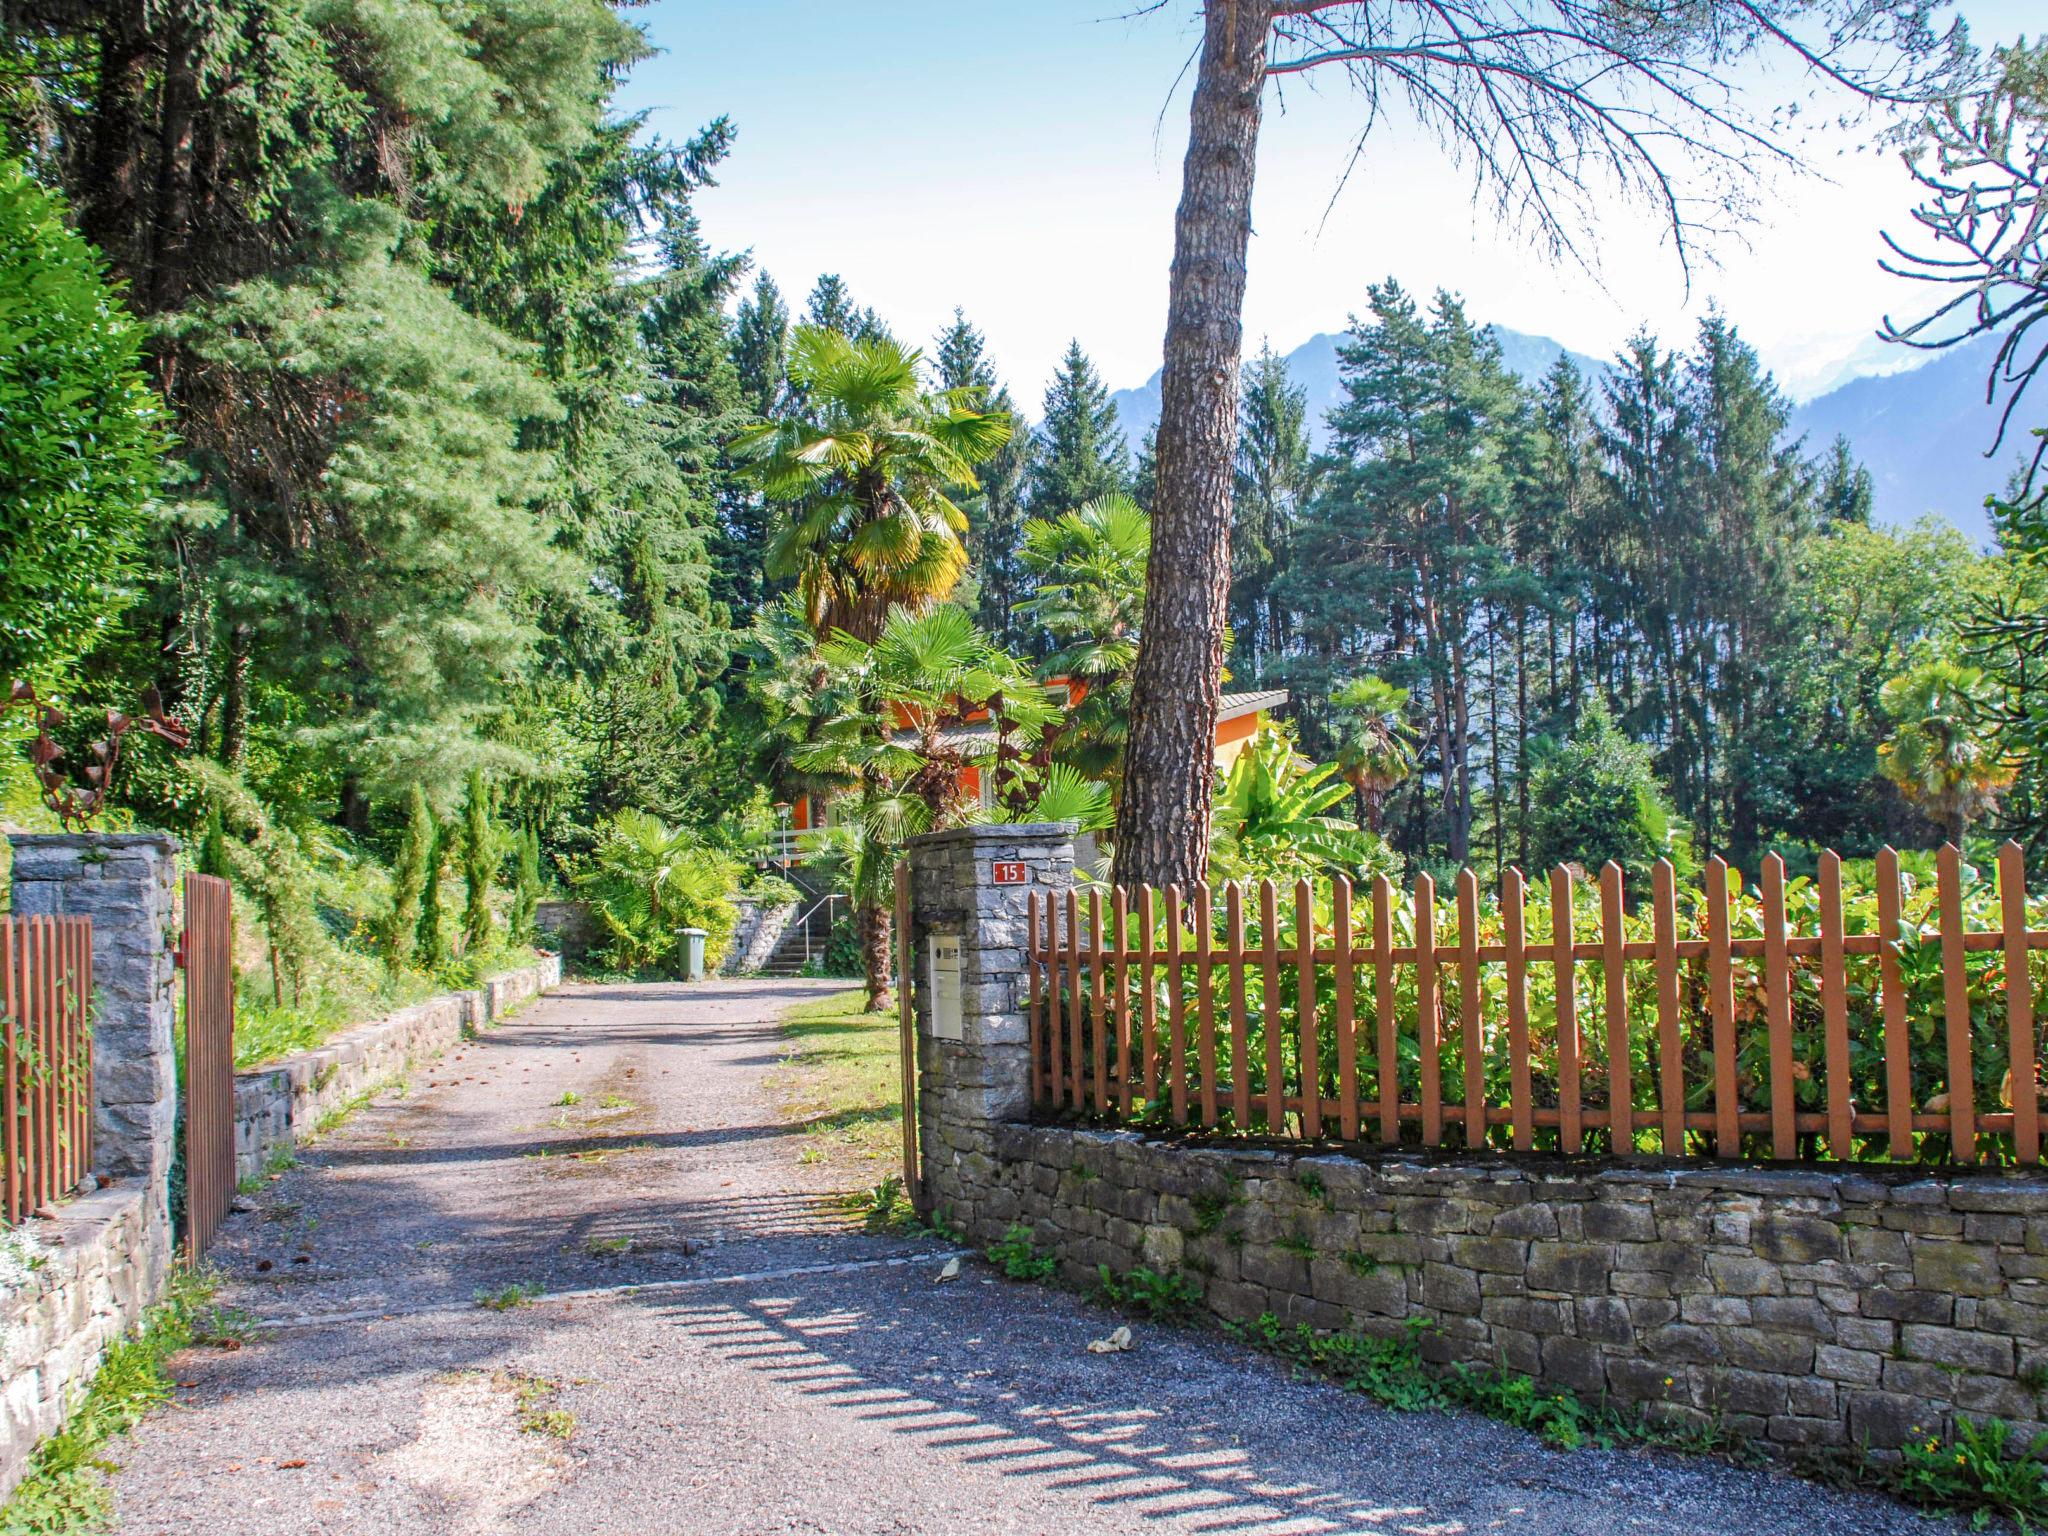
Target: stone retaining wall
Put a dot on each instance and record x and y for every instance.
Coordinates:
(105, 1257)
(759, 929)
(1792, 1306)
(280, 1105)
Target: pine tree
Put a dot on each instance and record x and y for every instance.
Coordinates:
(995, 514)
(830, 307)
(1272, 482)
(409, 883)
(760, 347)
(213, 847)
(1081, 453)
(525, 887)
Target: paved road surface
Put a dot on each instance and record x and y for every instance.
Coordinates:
(774, 1371)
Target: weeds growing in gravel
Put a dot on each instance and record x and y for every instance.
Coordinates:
(65, 1491)
(569, 1099)
(1016, 1254)
(520, 1293)
(531, 1394)
(1164, 1298)
(886, 1211)
(1980, 1471)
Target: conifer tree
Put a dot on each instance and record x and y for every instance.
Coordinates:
(760, 347)
(525, 886)
(995, 515)
(433, 938)
(1272, 481)
(409, 877)
(479, 864)
(1081, 453)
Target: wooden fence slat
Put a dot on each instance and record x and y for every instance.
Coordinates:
(1570, 1130)
(1176, 1008)
(1055, 1027)
(46, 1077)
(1347, 1024)
(1205, 999)
(1721, 1009)
(1955, 989)
(1240, 1049)
(1778, 1010)
(1514, 925)
(88, 1097)
(1305, 1016)
(11, 1002)
(1898, 1063)
(1077, 1059)
(906, 1026)
(1034, 968)
(1276, 1066)
(1614, 983)
(1469, 1045)
(1148, 1020)
(1670, 1044)
(1386, 1044)
(1834, 1004)
(1098, 1031)
(2019, 1005)
(68, 1029)
(1120, 937)
(1426, 1018)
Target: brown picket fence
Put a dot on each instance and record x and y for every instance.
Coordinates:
(46, 1096)
(1670, 1027)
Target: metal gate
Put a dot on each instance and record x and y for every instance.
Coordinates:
(207, 955)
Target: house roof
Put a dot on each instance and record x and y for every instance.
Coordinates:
(981, 733)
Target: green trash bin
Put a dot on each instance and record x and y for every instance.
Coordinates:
(693, 953)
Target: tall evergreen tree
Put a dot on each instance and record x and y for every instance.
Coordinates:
(760, 347)
(1081, 453)
(1272, 481)
(995, 514)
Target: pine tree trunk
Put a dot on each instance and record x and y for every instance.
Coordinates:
(876, 920)
(1163, 834)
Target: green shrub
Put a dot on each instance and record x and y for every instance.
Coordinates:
(645, 882)
(525, 886)
(1596, 798)
(433, 947)
(1980, 1470)
(1017, 1255)
(480, 858)
(1164, 1298)
(80, 454)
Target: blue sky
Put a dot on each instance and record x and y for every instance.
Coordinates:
(1023, 163)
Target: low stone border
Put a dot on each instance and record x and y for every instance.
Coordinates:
(754, 937)
(105, 1257)
(281, 1105)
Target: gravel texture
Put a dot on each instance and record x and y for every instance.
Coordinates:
(750, 1363)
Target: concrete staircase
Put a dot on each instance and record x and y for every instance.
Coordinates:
(810, 931)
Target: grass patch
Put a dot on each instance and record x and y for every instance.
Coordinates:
(885, 1211)
(841, 1079)
(569, 1099)
(508, 1298)
(531, 1396)
(65, 1491)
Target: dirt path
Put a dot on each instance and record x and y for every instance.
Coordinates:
(715, 1351)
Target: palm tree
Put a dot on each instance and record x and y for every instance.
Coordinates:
(866, 471)
(1937, 755)
(895, 735)
(1089, 566)
(1368, 715)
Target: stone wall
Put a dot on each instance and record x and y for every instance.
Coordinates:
(1792, 1306)
(754, 937)
(568, 927)
(281, 1105)
(1796, 1306)
(103, 1260)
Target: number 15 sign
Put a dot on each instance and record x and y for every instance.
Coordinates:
(1009, 872)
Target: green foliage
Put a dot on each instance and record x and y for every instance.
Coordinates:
(1596, 799)
(481, 855)
(434, 947)
(1983, 1470)
(65, 1488)
(509, 1297)
(79, 456)
(409, 883)
(1017, 1255)
(1271, 818)
(1162, 1298)
(865, 474)
(526, 886)
(1938, 753)
(213, 847)
(1374, 744)
(646, 881)
(1081, 455)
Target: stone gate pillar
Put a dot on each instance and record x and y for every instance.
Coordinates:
(122, 881)
(974, 1075)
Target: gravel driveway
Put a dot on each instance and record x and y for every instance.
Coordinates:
(715, 1350)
